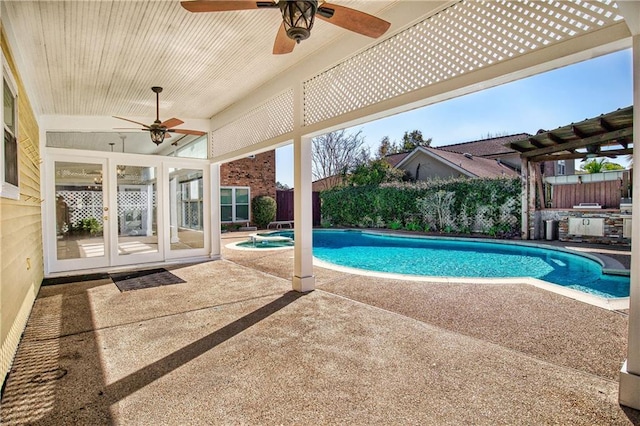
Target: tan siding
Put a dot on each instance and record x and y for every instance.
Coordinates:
(20, 232)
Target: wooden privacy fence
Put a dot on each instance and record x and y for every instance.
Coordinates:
(606, 193)
(284, 201)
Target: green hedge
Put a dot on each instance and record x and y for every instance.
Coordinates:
(489, 206)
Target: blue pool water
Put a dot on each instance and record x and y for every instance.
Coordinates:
(457, 258)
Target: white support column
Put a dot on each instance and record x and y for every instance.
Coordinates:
(629, 392)
(303, 279)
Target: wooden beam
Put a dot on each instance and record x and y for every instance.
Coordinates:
(536, 142)
(579, 133)
(539, 187)
(573, 156)
(625, 142)
(581, 143)
(555, 139)
(605, 125)
(524, 200)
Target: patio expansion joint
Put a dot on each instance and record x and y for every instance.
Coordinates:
(466, 336)
(125, 324)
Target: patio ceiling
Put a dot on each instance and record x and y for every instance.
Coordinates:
(608, 135)
(101, 58)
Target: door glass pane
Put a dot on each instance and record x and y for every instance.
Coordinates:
(79, 210)
(137, 210)
(186, 219)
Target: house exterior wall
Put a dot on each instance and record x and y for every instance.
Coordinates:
(429, 168)
(258, 173)
(21, 251)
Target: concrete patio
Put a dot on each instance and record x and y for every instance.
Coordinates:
(233, 345)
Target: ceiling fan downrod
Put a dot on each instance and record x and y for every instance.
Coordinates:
(156, 130)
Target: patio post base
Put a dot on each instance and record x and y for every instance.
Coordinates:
(629, 391)
(304, 284)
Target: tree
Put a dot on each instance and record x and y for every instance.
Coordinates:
(282, 186)
(597, 166)
(338, 153)
(376, 172)
(387, 147)
(414, 139)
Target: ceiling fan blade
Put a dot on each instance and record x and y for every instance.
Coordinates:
(172, 122)
(187, 132)
(131, 121)
(129, 128)
(224, 6)
(353, 20)
(283, 43)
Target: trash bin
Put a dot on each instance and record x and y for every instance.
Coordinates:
(551, 229)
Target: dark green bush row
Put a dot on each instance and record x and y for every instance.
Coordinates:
(479, 205)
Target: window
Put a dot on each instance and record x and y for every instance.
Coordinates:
(9, 164)
(195, 149)
(234, 204)
(561, 168)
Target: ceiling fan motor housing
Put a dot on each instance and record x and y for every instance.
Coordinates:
(298, 17)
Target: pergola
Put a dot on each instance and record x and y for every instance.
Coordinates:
(609, 135)
(83, 62)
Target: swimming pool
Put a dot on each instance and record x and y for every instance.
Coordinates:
(443, 257)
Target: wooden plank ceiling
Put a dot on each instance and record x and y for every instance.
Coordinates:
(608, 135)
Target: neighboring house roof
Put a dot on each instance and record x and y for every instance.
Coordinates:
(487, 147)
(469, 165)
(394, 159)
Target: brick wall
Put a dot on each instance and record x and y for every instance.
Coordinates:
(258, 173)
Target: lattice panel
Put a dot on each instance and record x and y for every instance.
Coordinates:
(88, 204)
(132, 200)
(82, 205)
(269, 120)
(464, 37)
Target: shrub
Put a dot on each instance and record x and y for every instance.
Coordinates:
(444, 205)
(264, 210)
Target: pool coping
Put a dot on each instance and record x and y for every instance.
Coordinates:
(614, 303)
(609, 266)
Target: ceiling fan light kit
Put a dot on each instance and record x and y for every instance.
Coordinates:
(298, 18)
(157, 134)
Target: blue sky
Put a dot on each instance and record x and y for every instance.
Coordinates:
(545, 101)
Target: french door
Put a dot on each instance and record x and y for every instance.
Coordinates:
(124, 210)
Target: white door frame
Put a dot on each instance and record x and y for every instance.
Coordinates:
(109, 161)
(58, 265)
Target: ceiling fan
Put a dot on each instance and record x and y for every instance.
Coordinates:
(298, 18)
(161, 130)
